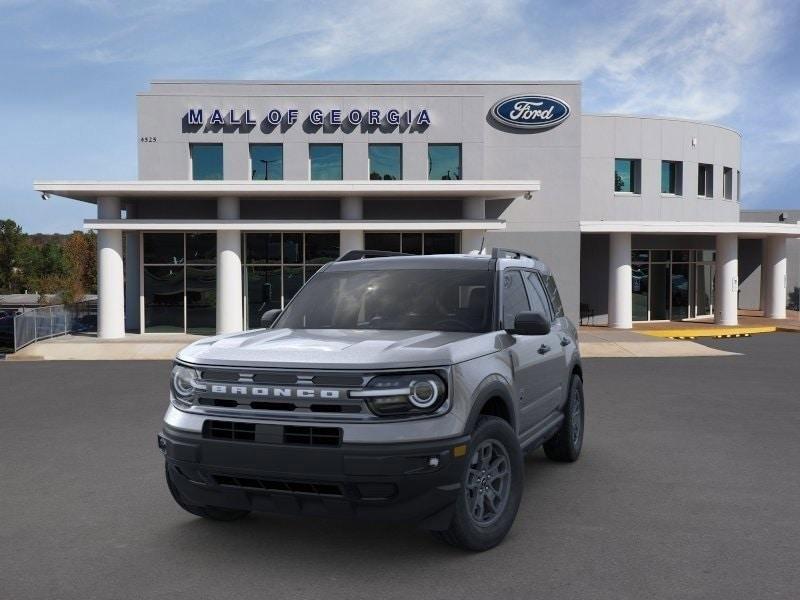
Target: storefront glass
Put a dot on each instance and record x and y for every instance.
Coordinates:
(414, 243)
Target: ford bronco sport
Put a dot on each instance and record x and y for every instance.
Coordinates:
(391, 386)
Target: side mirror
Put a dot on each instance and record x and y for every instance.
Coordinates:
(530, 323)
(269, 317)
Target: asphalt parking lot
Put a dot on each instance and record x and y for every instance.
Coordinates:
(688, 487)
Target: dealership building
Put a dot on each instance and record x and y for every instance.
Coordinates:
(246, 189)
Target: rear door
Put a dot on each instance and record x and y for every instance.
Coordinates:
(528, 353)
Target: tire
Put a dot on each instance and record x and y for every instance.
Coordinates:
(214, 513)
(482, 518)
(566, 444)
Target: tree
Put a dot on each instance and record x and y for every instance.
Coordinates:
(12, 241)
(80, 254)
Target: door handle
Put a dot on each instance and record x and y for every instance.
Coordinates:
(565, 341)
(544, 349)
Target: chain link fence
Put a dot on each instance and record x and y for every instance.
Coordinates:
(29, 326)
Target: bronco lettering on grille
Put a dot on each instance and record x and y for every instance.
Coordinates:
(274, 392)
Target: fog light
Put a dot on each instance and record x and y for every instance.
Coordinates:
(433, 461)
(162, 444)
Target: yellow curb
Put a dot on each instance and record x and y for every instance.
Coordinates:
(691, 333)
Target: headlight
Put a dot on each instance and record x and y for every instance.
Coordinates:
(185, 381)
(404, 394)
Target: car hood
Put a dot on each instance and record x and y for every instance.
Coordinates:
(339, 348)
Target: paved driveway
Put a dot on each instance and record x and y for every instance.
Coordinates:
(689, 487)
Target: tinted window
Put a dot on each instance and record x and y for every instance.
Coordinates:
(444, 161)
(326, 161)
(515, 300)
(206, 161)
(385, 162)
(555, 297)
(431, 299)
(163, 248)
(537, 295)
(266, 162)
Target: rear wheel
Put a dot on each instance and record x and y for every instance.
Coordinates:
(214, 513)
(565, 445)
(492, 488)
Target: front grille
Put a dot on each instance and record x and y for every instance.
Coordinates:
(312, 436)
(230, 430)
(291, 487)
(272, 434)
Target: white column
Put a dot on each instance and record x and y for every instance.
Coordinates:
(620, 301)
(351, 209)
(774, 277)
(726, 281)
(132, 283)
(229, 270)
(110, 276)
(472, 239)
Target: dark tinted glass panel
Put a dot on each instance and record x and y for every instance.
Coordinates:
(263, 292)
(659, 292)
(385, 162)
(326, 161)
(322, 247)
(640, 256)
(263, 247)
(536, 294)
(163, 248)
(163, 299)
(659, 255)
(444, 161)
(704, 289)
(681, 255)
(641, 291)
(206, 161)
(404, 299)
(201, 248)
(624, 175)
(292, 247)
(292, 282)
(680, 292)
(705, 255)
(441, 243)
(386, 242)
(310, 270)
(266, 162)
(515, 299)
(412, 243)
(201, 300)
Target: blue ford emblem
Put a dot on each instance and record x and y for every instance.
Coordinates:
(530, 112)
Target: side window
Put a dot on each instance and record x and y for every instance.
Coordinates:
(537, 295)
(515, 299)
(555, 298)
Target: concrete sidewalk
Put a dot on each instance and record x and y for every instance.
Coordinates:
(595, 342)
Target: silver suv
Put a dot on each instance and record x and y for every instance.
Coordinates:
(391, 386)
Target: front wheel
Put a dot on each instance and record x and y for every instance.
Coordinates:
(491, 488)
(215, 513)
(565, 445)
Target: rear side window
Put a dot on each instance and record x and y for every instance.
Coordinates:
(555, 298)
(537, 295)
(515, 300)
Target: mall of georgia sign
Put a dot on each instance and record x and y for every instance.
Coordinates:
(530, 112)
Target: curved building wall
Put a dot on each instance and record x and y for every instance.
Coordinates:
(649, 141)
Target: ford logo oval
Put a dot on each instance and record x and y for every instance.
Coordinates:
(530, 112)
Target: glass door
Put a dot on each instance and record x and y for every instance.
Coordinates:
(681, 292)
(704, 290)
(659, 292)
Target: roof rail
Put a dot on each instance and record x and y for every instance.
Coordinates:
(511, 253)
(359, 254)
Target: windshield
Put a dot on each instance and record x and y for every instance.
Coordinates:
(431, 299)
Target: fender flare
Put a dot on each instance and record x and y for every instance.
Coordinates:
(493, 386)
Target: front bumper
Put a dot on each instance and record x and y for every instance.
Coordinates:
(412, 482)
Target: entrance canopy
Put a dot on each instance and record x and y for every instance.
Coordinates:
(743, 230)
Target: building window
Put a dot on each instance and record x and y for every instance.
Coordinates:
(627, 175)
(180, 282)
(671, 177)
(266, 162)
(325, 162)
(738, 186)
(444, 161)
(206, 161)
(438, 242)
(727, 183)
(705, 180)
(278, 264)
(385, 162)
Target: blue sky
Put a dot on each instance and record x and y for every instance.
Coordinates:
(70, 70)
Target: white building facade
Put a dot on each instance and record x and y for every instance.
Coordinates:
(246, 188)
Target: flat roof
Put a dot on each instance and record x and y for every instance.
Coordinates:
(742, 228)
(294, 225)
(90, 191)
